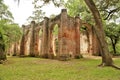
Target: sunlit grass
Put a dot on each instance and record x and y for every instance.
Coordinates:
(45, 69)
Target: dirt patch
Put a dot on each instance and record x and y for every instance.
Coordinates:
(98, 57)
(92, 57)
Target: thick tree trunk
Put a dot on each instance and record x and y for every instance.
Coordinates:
(114, 49)
(106, 57)
(2, 53)
(2, 49)
(113, 45)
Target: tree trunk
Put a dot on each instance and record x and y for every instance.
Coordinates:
(113, 45)
(114, 49)
(2, 49)
(106, 57)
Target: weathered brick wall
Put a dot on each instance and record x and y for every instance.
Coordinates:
(69, 40)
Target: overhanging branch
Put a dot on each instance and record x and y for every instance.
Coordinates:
(111, 12)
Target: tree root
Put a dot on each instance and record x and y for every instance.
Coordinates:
(116, 67)
(3, 61)
(111, 65)
(101, 65)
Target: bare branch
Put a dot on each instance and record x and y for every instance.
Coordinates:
(111, 12)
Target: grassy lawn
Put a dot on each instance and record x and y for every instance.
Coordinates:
(45, 69)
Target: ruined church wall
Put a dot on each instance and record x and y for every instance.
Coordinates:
(71, 42)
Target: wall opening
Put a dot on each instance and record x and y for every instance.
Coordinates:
(55, 39)
(84, 40)
(40, 41)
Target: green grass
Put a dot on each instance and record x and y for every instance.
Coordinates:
(45, 69)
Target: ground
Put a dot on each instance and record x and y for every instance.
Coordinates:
(30, 68)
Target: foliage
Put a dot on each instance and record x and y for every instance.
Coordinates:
(109, 9)
(2, 48)
(5, 16)
(79, 8)
(38, 14)
(2, 45)
(113, 30)
(113, 33)
(55, 30)
(57, 3)
(4, 12)
(11, 32)
(45, 69)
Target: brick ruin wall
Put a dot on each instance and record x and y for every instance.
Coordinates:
(71, 42)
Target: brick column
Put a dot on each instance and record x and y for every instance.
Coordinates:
(77, 37)
(63, 46)
(45, 38)
(32, 38)
(22, 44)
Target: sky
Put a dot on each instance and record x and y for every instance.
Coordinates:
(22, 11)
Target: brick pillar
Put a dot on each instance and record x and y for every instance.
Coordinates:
(37, 39)
(32, 39)
(45, 38)
(90, 41)
(50, 45)
(63, 44)
(77, 37)
(22, 44)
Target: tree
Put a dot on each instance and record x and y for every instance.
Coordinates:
(4, 12)
(113, 33)
(106, 57)
(78, 8)
(38, 14)
(2, 47)
(109, 9)
(9, 31)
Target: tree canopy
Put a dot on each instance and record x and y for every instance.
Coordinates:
(113, 33)
(38, 14)
(10, 32)
(4, 12)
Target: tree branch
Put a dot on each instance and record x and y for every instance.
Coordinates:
(111, 12)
